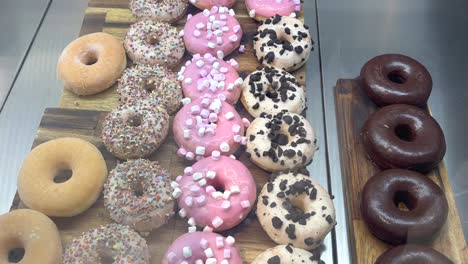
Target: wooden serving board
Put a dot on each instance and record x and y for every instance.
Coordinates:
(353, 107)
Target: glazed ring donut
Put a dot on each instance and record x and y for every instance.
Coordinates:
(403, 136)
(38, 181)
(149, 42)
(285, 254)
(154, 82)
(396, 79)
(283, 42)
(135, 130)
(112, 243)
(272, 90)
(31, 231)
(137, 193)
(409, 254)
(202, 247)
(91, 63)
(425, 201)
(208, 4)
(294, 208)
(263, 9)
(281, 141)
(159, 10)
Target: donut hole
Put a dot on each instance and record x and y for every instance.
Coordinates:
(63, 175)
(15, 255)
(219, 187)
(88, 58)
(105, 255)
(404, 132)
(404, 201)
(137, 188)
(397, 76)
(134, 120)
(271, 91)
(298, 204)
(280, 138)
(149, 85)
(153, 39)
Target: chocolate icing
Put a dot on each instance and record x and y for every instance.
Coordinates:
(412, 254)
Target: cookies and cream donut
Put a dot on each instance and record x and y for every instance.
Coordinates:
(149, 42)
(151, 82)
(294, 208)
(283, 42)
(272, 90)
(137, 193)
(280, 141)
(208, 4)
(285, 254)
(159, 10)
(264, 9)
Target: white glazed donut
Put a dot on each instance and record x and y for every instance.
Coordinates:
(281, 141)
(294, 208)
(272, 90)
(283, 42)
(159, 10)
(285, 254)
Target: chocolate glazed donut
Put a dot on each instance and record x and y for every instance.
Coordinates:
(403, 136)
(412, 254)
(381, 206)
(396, 79)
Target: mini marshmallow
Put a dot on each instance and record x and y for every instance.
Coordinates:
(186, 100)
(207, 229)
(202, 182)
(230, 240)
(195, 189)
(188, 80)
(230, 87)
(186, 133)
(210, 174)
(217, 195)
(191, 222)
(174, 185)
(197, 176)
(239, 81)
(229, 115)
(182, 213)
(206, 12)
(236, 129)
(242, 48)
(190, 156)
(210, 189)
(216, 65)
(187, 252)
(210, 261)
(200, 200)
(199, 261)
(211, 45)
(217, 222)
(177, 193)
(236, 28)
(200, 150)
(209, 252)
(181, 33)
(226, 195)
(188, 171)
(200, 63)
(225, 205)
(227, 253)
(252, 13)
(195, 109)
(192, 229)
(237, 138)
(196, 33)
(220, 54)
(204, 243)
(224, 147)
(189, 123)
(235, 189)
(188, 201)
(213, 117)
(178, 178)
(216, 155)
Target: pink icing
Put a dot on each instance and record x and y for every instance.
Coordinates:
(269, 8)
(214, 31)
(201, 243)
(209, 75)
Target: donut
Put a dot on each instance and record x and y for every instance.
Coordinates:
(208, 4)
(282, 42)
(28, 236)
(412, 254)
(396, 79)
(281, 141)
(285, 254)
(202, 247)
(405, 137)
(151, 82)
(217, 193)
(272, 90)
(135, 130)
(91, 63)
(263, 9)
(40, 184)
(214, 31)
(208, 75)
(137, 193)
(206, 127)
(425, 213)
(112, 243)
(149, 42)
(295, 209)
(159, 10)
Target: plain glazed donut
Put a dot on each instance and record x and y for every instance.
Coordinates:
(32, 231)
(272, 90)
(281, 141)
(37, 186)
(135, 130)
(263, 9)
(137, 193)
(154, 43)
(217, 193)
(151, 82)
(208, 4)
(91, 63)
(403, 136)
(427, 208)
(396, 79)
(159, 10)
(112, 243)
(412, 254)
(294, 208)
(285, 254)
(202, 247)
(283, 42)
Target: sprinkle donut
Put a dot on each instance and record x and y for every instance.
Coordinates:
(135, 130)
(272, 90)
(281, 141)
(262, 9)
(214, 31)
(149, 42)
(294, 208)
(159, 10)
(138, 193)
(283, 42)
(113, 243)
(151, 82)
(202, 247)
(215, 193)
(207, 127)
(208, 4)
(208, 75)
(285, 254)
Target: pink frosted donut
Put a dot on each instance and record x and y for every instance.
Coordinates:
(216, 32)
(207, 4)
(207, 127)
(263, 9)
(202, 247)
(216, 193)
(209, 75)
